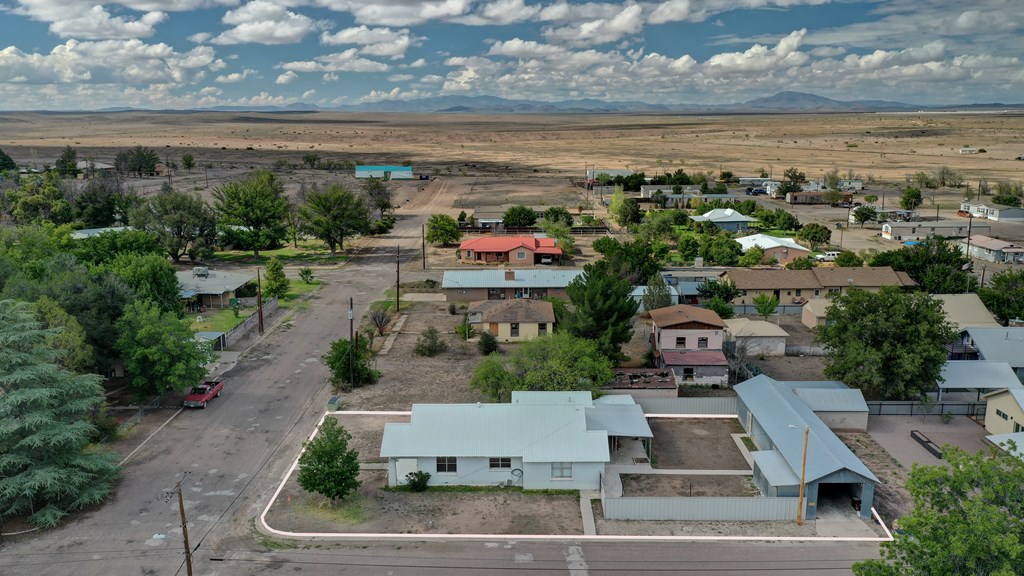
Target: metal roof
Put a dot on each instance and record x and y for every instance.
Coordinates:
(90, 232)
(832, 400)
(1000, 344)
(526, 310)
(966, 311)
(545, 398)
(1003, 441)
(535, 433)
(745, 327)
(783, 417)
(215, 283)
(774, 468)
(619, 420)
(538, 278)
(978, 374)
(765, 242)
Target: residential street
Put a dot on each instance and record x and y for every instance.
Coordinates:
(235, 451)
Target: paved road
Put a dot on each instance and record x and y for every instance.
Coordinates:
(234, 452)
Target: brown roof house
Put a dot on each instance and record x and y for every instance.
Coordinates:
(688, 340)
(513, 320)
(798, 286)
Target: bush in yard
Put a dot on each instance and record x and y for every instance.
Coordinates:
(418, 480)
(487, 344)
(464, 330)
(276, 284)
(430, 343)
(328, 466)
(380, 319)
(452, 309)
(306, 274)
(338, 359)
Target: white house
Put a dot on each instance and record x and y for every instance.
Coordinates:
(923, 230)
(991, 211)
(726, 219)
(784, 250)
(539, 440)
(991, 249)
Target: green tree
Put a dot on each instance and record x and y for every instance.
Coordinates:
(765, 304)
(442, 229)
(519, 217)
(911, 198)
(831, 179)
(848, 259)
(752, 257)
(430, 343)
(159, 352)
(604, 309)
(328, 466)
(139, 160)
(723, 308)
(487, 344)
(1004, 295)
(67, 164)
(862, 214)
(334, 213)
(558, 361)
(724, 289)
(629, 213)
(890, 343)
(814, 234)
(104, 248)
(378, 195)
(1006, 200)
(720, 250)
(966, 519)
(47, 470)
(871, 198)
(833, 197)
(104, 202)
(618, 199)
(311, 160)
(65, 335)
(558, 214)
(152, 278)
(936, 266)
(275, 282)
(689, 246)
(633, 261)
(657, 295)
(257, 206)
(6, 163)
(801, 264)
(188, 162)
(40, 199)
(183, 224)
(351, 370)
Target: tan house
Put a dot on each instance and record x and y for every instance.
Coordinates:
(814, 312)
(513, 320)
(798, 286)
(757, 337)
(1004, 413)
(505, 284)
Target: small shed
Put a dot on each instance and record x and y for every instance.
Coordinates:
(842, 409)
(758, 337)
(644, 383)
(814, 312)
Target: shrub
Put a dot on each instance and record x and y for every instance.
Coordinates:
(487, 344)
(380, 319)
(417, 481)
(430, 343)
(306, 274)
(275, 284)
(452, 309)
(465, 330)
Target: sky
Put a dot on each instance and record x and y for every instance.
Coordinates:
(181, 54)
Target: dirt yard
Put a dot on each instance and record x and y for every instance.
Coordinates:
(892, 499)
(697, 444)
(791, 367)
(367, 433)
(680, 528)
(373, 509)
(673, 485)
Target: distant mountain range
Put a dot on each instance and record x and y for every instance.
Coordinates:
(781, 103)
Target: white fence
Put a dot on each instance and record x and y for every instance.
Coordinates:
(719, 405)
(700, 508)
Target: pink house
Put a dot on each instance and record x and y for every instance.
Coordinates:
(688, 340)
(515, 250)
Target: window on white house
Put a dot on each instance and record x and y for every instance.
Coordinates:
(542, 328)
(500, 463)
(515, 329)
(1017, 427)
(447, 465)
(1002, 414)
(681, 342)
(702, 342)
(561, 470)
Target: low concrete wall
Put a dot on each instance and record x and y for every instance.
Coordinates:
(736, 508)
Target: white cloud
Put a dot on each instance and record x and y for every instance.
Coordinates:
(331, 77)
(235, 77)
(199, 37)
(308, 94)
(760, 58)
(400, 77)
(374, 41)
(347, 61)
(499, 13)
(264, 22)
(420, 63)
(626, 22)
(395, 93)
(287, 78)
(518, 48)
(398, 12)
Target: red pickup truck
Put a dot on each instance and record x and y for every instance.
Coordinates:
(203, 393)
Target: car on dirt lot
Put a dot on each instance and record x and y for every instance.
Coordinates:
(200, 395)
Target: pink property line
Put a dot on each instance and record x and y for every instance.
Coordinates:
(540, 537)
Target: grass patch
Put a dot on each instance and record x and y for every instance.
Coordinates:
(749, 443)
(296, 290)
(311, 252)
(345, 512)
(777, 233)
(270, 543)
(388, 303)
(222, 320)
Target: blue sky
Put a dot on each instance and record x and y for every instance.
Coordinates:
(91, 54)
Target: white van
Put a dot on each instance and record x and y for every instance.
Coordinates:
(829, 256)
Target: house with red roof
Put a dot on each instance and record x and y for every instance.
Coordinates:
(515, 250)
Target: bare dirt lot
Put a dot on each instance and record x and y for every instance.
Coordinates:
(681, 485)
(697, 444)
(791, 367)
(673, 528)
(367, 433)
(373, 509)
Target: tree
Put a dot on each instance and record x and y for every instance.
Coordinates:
(350, 370)
(334, 213)
(720, 250)
(848, 259)
(429, 343)
(328, 466)
(634, 261)
(1006, 200)
(104, 202)
(442, 229)
(67, 164)
(558, 361)
(724, 309)
(6, 163)
(519, 217)
(1004, 295)
(107, 246)
(152, 278)
(765, 304)
(311, 160)
(46, 468)
(558, 214)
(65, 336)
(724, 289)
(752, 257)
(815, 234)
(833, 197)
(801, 264)
(831, 179)
(183, 223)
(629, 213)
(936, 266)
(890, 343)
(911, 198)
(862, 214)
(487, 344)
(794, 176)
(139, 160)
(618, 199)
(657, 294)
(276, 283)
(378, 195)
(40, 199)
(946, 176)
(966, 519)
(871, 198)
(188, 162)
(159, 352)
(604, 309)
(257, 208)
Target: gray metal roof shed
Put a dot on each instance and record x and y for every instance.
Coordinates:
(497, 278)
(999, 344)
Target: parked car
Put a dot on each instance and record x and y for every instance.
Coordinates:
(200, 395)
(828, 256)
(547, 260)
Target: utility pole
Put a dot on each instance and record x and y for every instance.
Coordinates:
(206, 173)
(803, 475)
(398, 278)
(351, 344)
(184, 522)
(259, 299)
(423, 243)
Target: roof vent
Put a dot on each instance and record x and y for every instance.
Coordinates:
(201, 272)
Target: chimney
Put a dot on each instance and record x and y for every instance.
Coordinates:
(510, 275)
